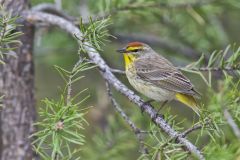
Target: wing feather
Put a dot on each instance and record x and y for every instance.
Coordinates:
(160, 72)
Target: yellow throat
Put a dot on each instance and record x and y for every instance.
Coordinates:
(129, 59)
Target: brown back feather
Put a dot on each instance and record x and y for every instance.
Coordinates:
(159, 71)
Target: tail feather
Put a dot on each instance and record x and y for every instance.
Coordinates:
(189, 101)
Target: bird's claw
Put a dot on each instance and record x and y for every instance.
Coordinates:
(142, 108)
(149, 103)
(145, 103)
(158, 115)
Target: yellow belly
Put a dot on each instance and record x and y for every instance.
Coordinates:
(149, 90)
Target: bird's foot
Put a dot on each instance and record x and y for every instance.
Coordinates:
(146, 103)
(161, 107)
(158, 111)
(149, 101)
(158, 115)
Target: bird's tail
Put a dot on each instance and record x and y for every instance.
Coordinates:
(189, 101)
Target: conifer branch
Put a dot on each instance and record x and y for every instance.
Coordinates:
(64, 116)
(8, 34)
(106, 73)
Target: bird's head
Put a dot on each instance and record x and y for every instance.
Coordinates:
(133, 51)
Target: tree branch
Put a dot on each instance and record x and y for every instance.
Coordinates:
(232, 123)
(190, 130)
(53, 9)
(106, 73)
(138, 132)
(195, 127)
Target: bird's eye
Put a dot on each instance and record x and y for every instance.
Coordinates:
(136, 50)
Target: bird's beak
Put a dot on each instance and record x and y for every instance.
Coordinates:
(123, 50)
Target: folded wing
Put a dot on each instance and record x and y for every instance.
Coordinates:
(163, 74)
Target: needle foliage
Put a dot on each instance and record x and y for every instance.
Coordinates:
(8, 34)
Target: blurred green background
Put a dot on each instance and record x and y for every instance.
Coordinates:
(203, 28)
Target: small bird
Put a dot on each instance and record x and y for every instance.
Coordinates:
(155, 77)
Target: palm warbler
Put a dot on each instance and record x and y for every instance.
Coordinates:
(155, 77)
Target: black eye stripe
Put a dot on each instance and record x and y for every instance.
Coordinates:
(136, 50)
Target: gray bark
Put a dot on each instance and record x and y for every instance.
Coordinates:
(17, 84)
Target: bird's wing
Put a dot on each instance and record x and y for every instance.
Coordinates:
(160, 72)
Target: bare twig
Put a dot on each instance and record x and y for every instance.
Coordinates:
(138, 132)
(232, 123)
(53, 9)
(190, 130)
(106, 73)
(122, 113)
(196, 127)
